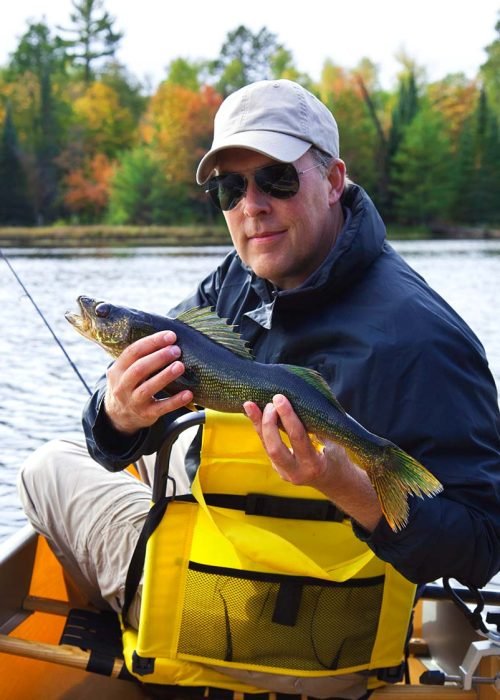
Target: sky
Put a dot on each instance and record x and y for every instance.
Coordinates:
(444, 36)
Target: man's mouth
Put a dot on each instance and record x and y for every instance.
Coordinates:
(263, 235)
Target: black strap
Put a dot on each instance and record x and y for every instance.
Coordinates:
(100, 663)
(136, 567)
(288, 600)
(473, 616)
(98, 633)
(274, 506)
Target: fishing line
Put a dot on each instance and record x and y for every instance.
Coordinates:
(75, 368)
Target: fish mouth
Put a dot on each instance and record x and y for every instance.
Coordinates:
(82, 322)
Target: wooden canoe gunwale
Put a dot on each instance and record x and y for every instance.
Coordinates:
(17, 558)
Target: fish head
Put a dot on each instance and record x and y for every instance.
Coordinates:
(112, 327)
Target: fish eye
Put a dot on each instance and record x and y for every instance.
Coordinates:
(102, 310)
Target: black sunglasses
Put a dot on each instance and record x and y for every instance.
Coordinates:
(280, 180)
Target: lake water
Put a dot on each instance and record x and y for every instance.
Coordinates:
(40, 395)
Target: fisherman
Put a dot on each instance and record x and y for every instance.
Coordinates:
(311, 281)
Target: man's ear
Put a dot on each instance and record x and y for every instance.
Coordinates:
(336, 177)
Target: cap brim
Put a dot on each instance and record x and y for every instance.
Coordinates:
(270, 143)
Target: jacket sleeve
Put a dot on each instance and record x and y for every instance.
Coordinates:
(444, 411)
(114, 450)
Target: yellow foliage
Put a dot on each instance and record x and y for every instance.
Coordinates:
(455, 101)
(178, 123)
(108, 126)
(24, 98)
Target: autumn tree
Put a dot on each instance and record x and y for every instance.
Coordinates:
(455, 97)
(106, 126)
(127, 87)
(365, 77)
(87, 189)
(178, 127)
(340, 91)
(92, 35)
(101, 129)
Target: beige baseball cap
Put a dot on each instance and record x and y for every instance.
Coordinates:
(278, 118)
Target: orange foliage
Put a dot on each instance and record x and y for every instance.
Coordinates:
(178, 123)
(87, 189)
(456, 101)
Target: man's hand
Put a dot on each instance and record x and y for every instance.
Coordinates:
(330, 471)
(143, 369)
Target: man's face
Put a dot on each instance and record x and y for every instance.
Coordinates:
(284, 240)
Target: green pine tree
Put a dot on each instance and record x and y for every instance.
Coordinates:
(244, 58)
(15, 204)
(92, 35)
(485, 186)
(422, 183)
(463, 208)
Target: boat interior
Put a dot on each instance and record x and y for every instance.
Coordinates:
(453, 654)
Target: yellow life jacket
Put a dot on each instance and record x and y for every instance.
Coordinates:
(255, 573)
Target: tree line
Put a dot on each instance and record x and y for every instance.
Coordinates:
(83, 141)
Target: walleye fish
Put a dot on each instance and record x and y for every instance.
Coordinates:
(222, 374)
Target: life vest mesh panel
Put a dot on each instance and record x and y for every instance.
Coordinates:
(243, 609)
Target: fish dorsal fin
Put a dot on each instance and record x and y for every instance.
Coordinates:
(204, 320)
(314, 378)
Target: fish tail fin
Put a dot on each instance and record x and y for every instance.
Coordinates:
(398, 476)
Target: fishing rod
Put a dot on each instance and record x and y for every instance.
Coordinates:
(40, 313)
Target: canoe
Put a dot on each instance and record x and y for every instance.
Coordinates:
(35, 599)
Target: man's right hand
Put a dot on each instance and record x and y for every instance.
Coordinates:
(142, 370)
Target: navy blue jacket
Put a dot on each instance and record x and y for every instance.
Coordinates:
(400, 361)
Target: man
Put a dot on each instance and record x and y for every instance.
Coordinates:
(311, 281)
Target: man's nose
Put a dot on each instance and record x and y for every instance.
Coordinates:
(255, 201)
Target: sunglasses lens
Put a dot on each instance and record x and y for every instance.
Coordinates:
(226, 190)
(280, 180)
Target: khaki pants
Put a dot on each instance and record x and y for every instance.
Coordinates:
(92, 517)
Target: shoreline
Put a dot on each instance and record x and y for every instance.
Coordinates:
(97, 236)
(111, 236)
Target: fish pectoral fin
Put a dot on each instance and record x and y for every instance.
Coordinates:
(314, 378)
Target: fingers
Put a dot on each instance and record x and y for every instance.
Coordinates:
(255, 414)
(297, 462)
(147, 352)
(142, 370)
(331, 471)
